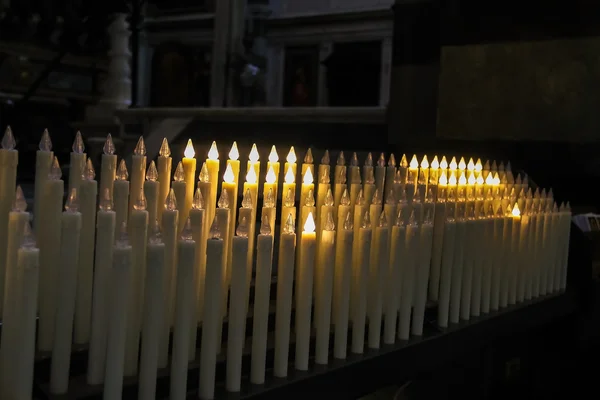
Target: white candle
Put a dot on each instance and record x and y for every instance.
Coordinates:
(215, 266)
(507, 228)
(378, 270)
(121, 196)
(360, 274)
(164, 176)
(43, 163)
(390, 175)
(223, 214)
(565, 246)
(138, 171)
(342, 280)
(88, 193)
(108, 166)
(262, 287)
(120, 284)
(360, 210)
(198, 223)
(515, 255)
(179, 187)
(250, 198)
(393, 278)
(66, 288)
(469, 259)
(102, 265)
(231, 180)
(77, 166)
(446, 266)
(304, 290)
(496, 259)
(184, 311)
(487, 260)
(339, 180)
(212, 165)
(380, 173)
(422, 274)
(324, 288)
(368, 179)
(273, 164)
(151, 191)
(189, 169)
(438, 237)
(269, 210)
(354, 178)
(323, 185)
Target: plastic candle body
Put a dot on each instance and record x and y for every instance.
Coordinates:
(165, 163)
(275, 165)
(422, 275)
(322, 187)
(496, 258)
(108, 167)
(230, 186)
(138, 172)
(169, 233)
(378, 267)
(359, 211)
(380, 174)
(189, 169)
(151, 192)
(121, 197)
(304, 287)
(393, 280)
(341, 289)
(198, 222)
(76, 169)
(506, 259)
(9, 158)
(307, 187)
(212, 165)
(324, 290)
(222, 215)
(437, 248)
(409, 279)
(360, 274)
(179, 187)
(514, 256)
(446, 269)
(43, 162)
(524, 263)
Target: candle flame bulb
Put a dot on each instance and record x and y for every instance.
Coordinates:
(496, 179)
(140, 147)
(325, 160)
(478, 166)
(19, 204)
(291, 157)
(265, 226)
(165, 150)
(391, 198)
(461, 164)
(345, 200)
(381, 160)
(414, 163)
(348, 225)
(109, 145)
(189, 151)
(253, 156)
(123, 238)
(213, 153)
(223, 201)
(273, 156)
(382, 220)
(204, 176)
(403, 161)
(342, 175)
(376, 197)
(141, 203)
(308, 157)
(515, 211)
(289, 198)
(501, 166)
(341, 160)
(329, 224)
(215, 232)
(391, 160)
(536, 194)
(453, 164)
(28, 241)
(155, 236)
(251, 176)
(88, 172)
(412, 219)
(309, 225)
(424, 162)
(329, 198)
(289, 176)
(360, 198)
(366, 222)
(370, 179)
(452, 181)
(106, 202)
(77, 147)
(444, 163)
(462, 180)
(187, 232)
(247, 199)
(198, 201)
(325, 177)
(443, 180)
(228, 176)
(269, 199)
(72, 204)
(234, 153)
(271, 177)
(471, 180)
(242, 228)
(503, 180)
(308, 177)
(369, 160)
(494, 167)
(151, 173)
(310, 199)
(435, 164)
(46, 143)
(122, 173)
(489, 180)
(354, 160)
(179, 175)
(171, 201)
(470, 165)
(289, 227)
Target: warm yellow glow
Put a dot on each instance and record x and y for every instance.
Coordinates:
(251, 176)
(496, 179)
(470, 165)
(489, 180)
(444, 163)
(189, 150)
(462, 180)
(515, 211)
(273, 156)
(435, 164)
(213, 153)
(461, 164)
(253, 156)
(234, 153)
(453, 164)
(424, 162)
(309, 225)
(443, 179)
(308, 177)
(471, 180)
(228, 176)
(291, 157)
(478, 166)
(480, 180)
(289, 176)
(271, 177)
(414, 164)
(452, 180)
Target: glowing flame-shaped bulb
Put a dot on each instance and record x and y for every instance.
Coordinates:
(152, 172)
(453, 164)
(271, 177)
(204, 175)
(424, 162)
(462, 180)
(72, 204)
(308, 177)
(414, 163)
(224, 199)
(489, 180)
(251, 176)
(165, 150)
(471, 180)
(122, 174)
(242, 228)
(109, 145)
(198, 201)
(265, 226)
(444, 163)
(470, 165)
(515, 211)
(273, 156)
(269, 200)
(480, 180)
(213, 153)
(140, 147)
(253, 156)
(179, 175)
(228, 176)
(478, 166)
(291, 157)
(496, 179)
(88, 171)
(443, 180)
(403, 161)
(46, 143)
(189, 151)
(435, 164)
(461, 164)
(78, 146)
(19, 204)
(309, 225)
(106, 202)
(289, 228)
(171, 201)
(234, 153)
(452, 181)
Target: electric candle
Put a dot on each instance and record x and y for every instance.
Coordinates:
(469, 256)
(438, 237)
(105, 235)
(179, 187)
(212, 165)
(154, 301)
(164, 176)
(205, 187)
(268, 209)
(283, 306)
(273, 164)
(478, 251)
(152, 193)
(323, 184)
(390, 175)
(360, 209)
(507, 228)
(543, 249)
(393, 278)
(9, 158)
(566, 231)
(501, 170)
(224, 214)
(535, 275)
(402, 173)
(412, 177)
(66, 287)
(260, 321)
(108, 166)
(360, 279)
(514, 255)
(43, 163)
(304, 290)
(78, 158)
(288, 207)
(487, 262)
(446, 266)
(340, 188)
(422, 273)
(138, 171)
(307, 187)
(326, 208)
(184, 311)
(189, 170)
(253, 162)
(497, 259)
(369, 187)
(486, 169)
(49, 238)
(354, 178)
(341, 282)
(423, 178)
(379, 266)
(308, 207)
(120, 284)
(231, 180)
(374, 291)
(478, 169)
(456, 282)
(246, 212)
(308, 164)
(212, 314)
(270, 183)
(452, 169)
(290, 164)
(434, 175)
(121, 196)
(88, 192)
(524, 264)
(198, 225)
(251, 193)
(380, 172)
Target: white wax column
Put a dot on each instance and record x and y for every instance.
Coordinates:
(469, 257)
(197, 223)
(487, 260)
(341, 289)
(76, 167)
(180, 189)
(184, 311)
(120, 199)
(477, 251)
(377, 271)
(422, 275)
(49, 243)
(506, 260)
(154, 307)
(523, 262)
(65, 307)
(355, 188)
(548, 247)
(108, 170)
(304, 290)
(105, 237)
(535, 245)
(260, 321)
(409, 279)
(369, 191)
(223, 216)
(138, 174)
(565, 249)
(9, 159)
(360, 278)
(164, 176)
(43, 161)
(495, 255)
(339, 189)
(380, 173)
(393, 282)
(457, 270)
(212, 315)
(169, 234)
(270, 213)
(323, 293)
(515, 255)
(120, 284)
(237, 317)
(88, 193)
(541, 250)
(446, 267)
(437, 248)
(283, 306)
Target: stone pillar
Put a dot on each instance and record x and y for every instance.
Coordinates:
(386, 67)
(276, 56)
(325, 50)
(118, 84)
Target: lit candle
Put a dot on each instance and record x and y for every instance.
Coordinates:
(423, 179)
(120, 284)
(390, 176)
(288, 199)
(185, 309)
(198, 225)
(434, 175)
(304, 290)
(379, 267)
(251, 192)
(152, 193)
(283, 306)
(153, 313)
(231, 180)
(340, 186)
(189, 170)
(78, 158)
(514, 255)
(205, 187)
(412, 177)
(290, 164)
(49, 242)
(360, 209)
(224, 214)
(409, 277)
(360, 278)
(308, 164)
(307, 187)
(262, 287)
(253, 164)
(138, 171)
(66, 288)
(402, 174)
(164, 176)
(212, 165)
(323, 185)
(108, 166)
(212, 314)
(422, 274)
(88, 192)
(105, 235)
(268, 209)
(121, 196)
(487, 260)
(438, 237)
(369, 180)
(446, 265)
(273, 164)
(43, 163)
(355, 179)
(456, 281)
(341, 282)
(179, 187)
(469, 257)
(380, 173)
(246, 212)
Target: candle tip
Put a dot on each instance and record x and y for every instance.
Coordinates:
(265, 226)
(324, 178)
(289, 198)
(309, 225)
(453, 164)
(490, 211)
(141, 202)
(360, 198)
(291, 157)
(152, 172)
(461, 164)
(171, 201)
(72, 204)
(486, 166)
(271, 177)
(187, 232)
(370, 179)
(215, 232)
(234, 153)
(550, 194)
(525, 180)
(123, 238)
(471, 165)
(204, 175)
(510, 179)
(198, 202)
(403, 161)
(242, 228)
(354, 160)
(189, 151)
(414, 163)
(348, 223)
(140, 147)
(369, 160)
(382, 220)
(247, 199)
(109, 145)
(179, 175)
(435, 163)
(289, 227)
(253, 156)
(308, 157)
(28, 241)
(508, 166)
(273, 156)
(224, 199)
(444, 163)
(19, 204)
(366, 222)
(78, 146)
(106, 202)
(329, 224)
(515, 211)
(325, 160)
(345, 200)
(391, 197)
(329, 198)
(381, 160)
(165, 150)
(391, 160)
(155, 236)
(228, 176)
(310, 198)
(519, 180)
(289, 176)
(251, 175)
(8, 140)
(269, 200)
(424, 162)
(341, 160)
(213, 153)
(88, 172)
(122, 173)
(341, 178)
(376, 197)
(471, 179)
(55, 171)
(308, 177)
(45, 142)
